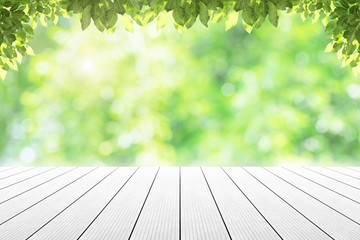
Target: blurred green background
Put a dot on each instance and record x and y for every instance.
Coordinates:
(203, 97)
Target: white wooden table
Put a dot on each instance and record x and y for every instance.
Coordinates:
(179, 203)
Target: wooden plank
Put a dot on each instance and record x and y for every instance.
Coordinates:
(200, 218)
(336, 176)
(338, 203)
(30, 184)
(14, 206)
(14, 172)
(346, 172)
(160, 216)
(241, 216)
(20, 227)
(71, 223)
(13, 180)
(5, 169)
(342, 189)
(330, 221)
(286, 220)
(199, 203)
(356, 169)
(120, 215)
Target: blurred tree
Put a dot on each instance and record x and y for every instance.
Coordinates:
(19, 18)
(201, 97)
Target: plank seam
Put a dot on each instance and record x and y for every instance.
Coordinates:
(27, 178)
(352, 169)
(343, 173)
(252, 204)
(36, 186)
(92, 187)
(288, 204)
(213, 197)
(332, 178)
(7, 169)
(47, 197)
(322, 186)
(142, 207)
(107, 204)
(314, 197)
(17, 173)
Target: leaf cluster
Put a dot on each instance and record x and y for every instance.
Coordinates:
(18, 19)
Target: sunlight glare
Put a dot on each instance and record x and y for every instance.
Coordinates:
(88, 66)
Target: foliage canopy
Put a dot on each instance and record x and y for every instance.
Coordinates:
(18, 18)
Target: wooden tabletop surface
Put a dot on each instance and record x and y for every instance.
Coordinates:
(179, 203)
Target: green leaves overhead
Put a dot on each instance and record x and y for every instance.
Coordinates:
(18, 18)
(86, 17)
(273, 14)
(204, 14)
(231, 20)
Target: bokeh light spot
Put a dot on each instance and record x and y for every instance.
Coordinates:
(27, 155)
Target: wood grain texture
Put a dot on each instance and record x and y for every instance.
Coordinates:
(287, 220)
(200, 218)
(20, 227)
(120, 216)
(328, 183)
(174, 203)
(241, 217)
(14, 190)
(340, 177)
(325, 218)
(333, 200)
(11, 207)
(14, 172)
(160, 216)
(25, 176)
(71, 223)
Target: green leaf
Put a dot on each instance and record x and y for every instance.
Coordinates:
(7, 4)
(178, 27)
(8, 52)
(74, 5)
(217, 16)
(119, 7)
(204, 14)
(259, 22)
(110, 31)
(28, 29)
(86, 17)
(273, 15)
(43, 20)
(110, 18)
(248, 15)
(170, 5)
(99, 25)
(247, 27)
(21, 50)
(231, 20)
(239, 5)
(162, 20)
(190, 22)
(136, 4)
(29, 50)
(2, 74)
(283, 4)
(127, 23)
(179, 15)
